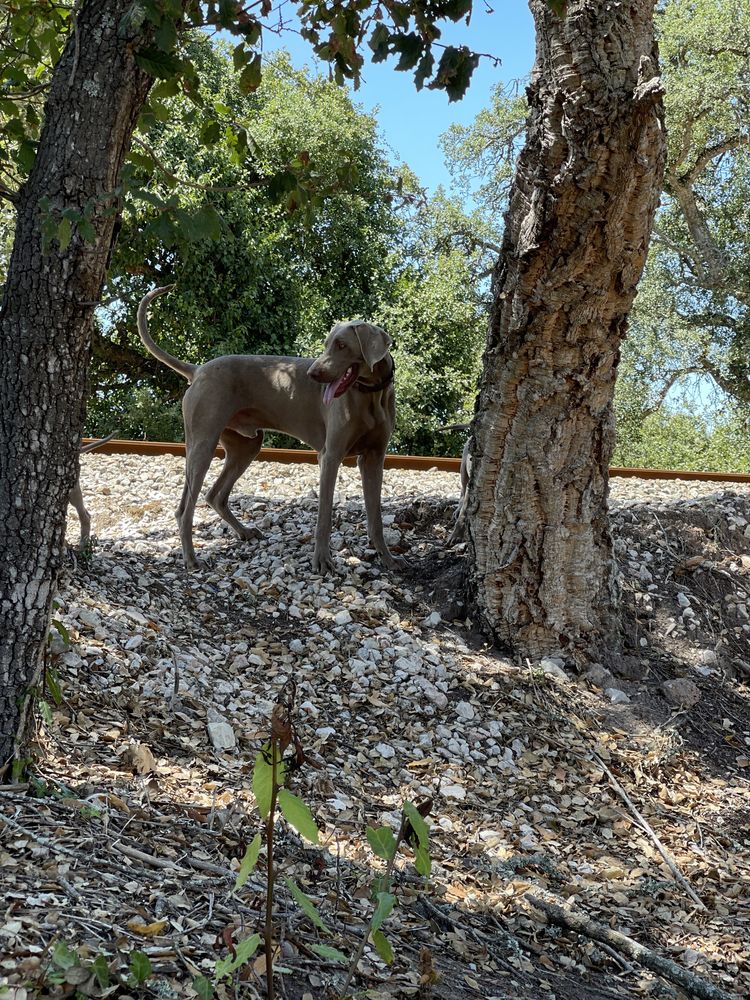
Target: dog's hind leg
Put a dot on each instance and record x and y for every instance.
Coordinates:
(199, 454)
(76, 499)
(371, 471)
(239, 453)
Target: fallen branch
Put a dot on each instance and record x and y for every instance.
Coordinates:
(647, 829)
(560, 915)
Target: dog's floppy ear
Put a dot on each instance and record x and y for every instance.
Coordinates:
(373, 342)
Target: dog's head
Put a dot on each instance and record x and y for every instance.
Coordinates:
(349, 347)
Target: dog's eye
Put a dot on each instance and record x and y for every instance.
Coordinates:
(339, 345)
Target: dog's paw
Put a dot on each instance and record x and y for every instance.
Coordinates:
(249, 534)
(391, 561)
(322, 562)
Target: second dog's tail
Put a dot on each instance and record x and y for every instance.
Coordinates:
(92, 445)
(181, 367)
(455, 427)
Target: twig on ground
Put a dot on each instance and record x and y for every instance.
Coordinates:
(646, 828)
(562, 916)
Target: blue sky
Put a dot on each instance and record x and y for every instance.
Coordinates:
(411, 121)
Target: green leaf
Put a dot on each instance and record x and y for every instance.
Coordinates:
(26, 155)
(382, 842)
(418, 824)
(422, 860)
(386, 902)
(326, 951)
(249, 80)
(140, 967)
(305, 904)
(63, 956)
(60, 628)
(378, 42)
(454, 71)
(263, 778)
(165, 88)
(249, 862)
(382, 946)
(244, 951)
(165, 35)
(410, 47)
(161, 65)
(298, 815)
(203, 987)
(100, 969)
(86, 231)
(64, 234)
(211, 133)
(424, 70)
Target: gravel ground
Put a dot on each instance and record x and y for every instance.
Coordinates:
(168, 682)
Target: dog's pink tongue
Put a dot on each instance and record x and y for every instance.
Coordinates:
(329, 394)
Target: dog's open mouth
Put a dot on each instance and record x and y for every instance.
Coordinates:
(335, 389)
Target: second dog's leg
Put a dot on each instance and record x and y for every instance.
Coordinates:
(240, 451)
(371, 470)
(329, 467)
(76, 499)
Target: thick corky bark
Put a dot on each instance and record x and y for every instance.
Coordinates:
(577, 231)
(45, 329)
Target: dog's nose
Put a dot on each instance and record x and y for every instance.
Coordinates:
(315, 373)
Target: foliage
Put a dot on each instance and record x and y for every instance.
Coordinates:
(698, 256)
(272, 770)
(83, 975)
(482, 154)
(686, 439)
(440, 330)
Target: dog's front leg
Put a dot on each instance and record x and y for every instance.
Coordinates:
(329, 461)
(371, 470)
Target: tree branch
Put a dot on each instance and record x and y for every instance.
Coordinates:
(565, 917)
(734, 142)
(674, 376)
(11, 196)
(195, 184)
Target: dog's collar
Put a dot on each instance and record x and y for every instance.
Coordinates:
(369, 387)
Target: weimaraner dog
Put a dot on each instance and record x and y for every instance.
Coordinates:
(342, 403)
(76, 496)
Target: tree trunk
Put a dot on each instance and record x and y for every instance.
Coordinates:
(45, 329)
(577, 231)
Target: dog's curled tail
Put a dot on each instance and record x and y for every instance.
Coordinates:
(93, 445)
(181, 367)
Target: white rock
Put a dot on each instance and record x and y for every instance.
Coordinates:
(342, 618)
(464, 710)
(432, 693)
(616, 696)
(550, 666)
(457, 792)
(432, 619)
(221, 735)
(134, 642)
(708, 657)
(385, 750)
(683, 600)
(681, 692)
